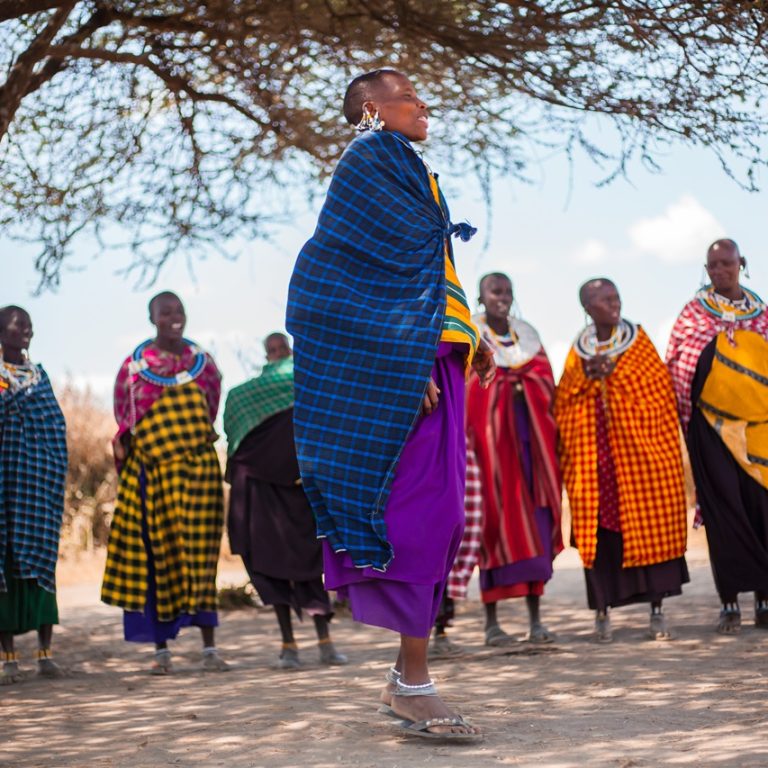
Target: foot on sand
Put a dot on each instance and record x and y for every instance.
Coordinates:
(540, 635)
(496, 637)
(329, 656)
(603, 631)
(212, 662)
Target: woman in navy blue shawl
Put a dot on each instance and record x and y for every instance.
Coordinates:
(33, 469)
(383, 337)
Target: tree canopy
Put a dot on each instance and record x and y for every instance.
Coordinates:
(174, 126)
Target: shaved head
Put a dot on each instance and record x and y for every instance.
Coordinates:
(724, 244)
(364, 88)
(588, 289)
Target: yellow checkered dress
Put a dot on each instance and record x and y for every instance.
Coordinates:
(184, 510)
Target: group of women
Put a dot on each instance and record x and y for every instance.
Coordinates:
(366, 434)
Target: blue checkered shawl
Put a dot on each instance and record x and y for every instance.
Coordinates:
(33, 469)
(365, 308)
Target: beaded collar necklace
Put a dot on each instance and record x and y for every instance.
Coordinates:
(746, 308)
(139, 366)
(16, 378)
(623, 337)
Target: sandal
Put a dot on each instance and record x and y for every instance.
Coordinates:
(212, 662)
(761, 614)
(730, 620)
(289, 658)
(421, 728)
(162, 663)
(442, 647)
(329, 656)
(657, 629)
(46, 666)
(540, 635)
(11, 672)
(603, 631)
(496, 637)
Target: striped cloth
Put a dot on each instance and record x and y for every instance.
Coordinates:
(645, 446)
(469, 549)
(253, 402)
(33, 470)
(734, 400)
(693, 330)
(366, 307)
(174, 466)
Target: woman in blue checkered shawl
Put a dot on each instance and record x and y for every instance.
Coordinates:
(33, 469)
(383, 338)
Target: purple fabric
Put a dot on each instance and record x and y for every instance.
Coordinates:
(144, 626)
(537, 568)
(424, 517)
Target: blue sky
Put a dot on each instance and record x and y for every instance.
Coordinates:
(649, 236)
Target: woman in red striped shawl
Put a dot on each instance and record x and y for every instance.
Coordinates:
(511, 429)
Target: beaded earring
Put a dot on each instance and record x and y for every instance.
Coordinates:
(704, 276)
(370, 122)
(745, 268)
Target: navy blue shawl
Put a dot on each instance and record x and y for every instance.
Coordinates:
(365, 308)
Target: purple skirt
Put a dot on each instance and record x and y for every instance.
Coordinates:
(424, 517)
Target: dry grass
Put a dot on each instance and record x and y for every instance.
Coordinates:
(91, 480)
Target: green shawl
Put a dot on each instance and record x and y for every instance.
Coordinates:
(256, 400)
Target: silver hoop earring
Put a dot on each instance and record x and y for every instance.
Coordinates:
(370, 122)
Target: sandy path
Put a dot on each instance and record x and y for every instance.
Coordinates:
(697, 701)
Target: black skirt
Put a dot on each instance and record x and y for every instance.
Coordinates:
(610, 586)
(734, 505)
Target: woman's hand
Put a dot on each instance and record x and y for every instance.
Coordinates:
(483, 364)
(599, 367)
(213, 436)
(431, 398)
(121, 447)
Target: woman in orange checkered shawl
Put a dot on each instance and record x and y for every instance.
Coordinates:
(621, 463)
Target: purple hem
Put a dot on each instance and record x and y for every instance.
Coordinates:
(424, 517)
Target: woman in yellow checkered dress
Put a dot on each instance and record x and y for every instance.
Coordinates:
(165, 536)
(621, 463)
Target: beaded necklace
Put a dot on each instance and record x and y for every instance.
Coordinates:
(587, 345)
(139, 366)
(515, 348)
(17, 377)
(730, 310)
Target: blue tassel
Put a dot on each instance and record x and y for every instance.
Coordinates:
(464, 231)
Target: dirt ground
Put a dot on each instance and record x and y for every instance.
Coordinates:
(699, 700)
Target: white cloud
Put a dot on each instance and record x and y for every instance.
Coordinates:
(680, 235)
(591, 252)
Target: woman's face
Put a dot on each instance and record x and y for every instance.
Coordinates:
(496, 296)
(723, 267)
(277, 348)
(169, 317)
(400, 108)
(604, 306)
(17, 333)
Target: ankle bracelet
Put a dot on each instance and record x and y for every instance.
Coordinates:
(43, 653)
(731, 608)
(419, 687)
(10, 656)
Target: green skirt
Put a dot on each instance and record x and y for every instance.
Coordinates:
(26, 606)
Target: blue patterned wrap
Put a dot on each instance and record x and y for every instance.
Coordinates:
(33, 470)
(365, 308)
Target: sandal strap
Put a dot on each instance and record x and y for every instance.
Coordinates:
(433, 722)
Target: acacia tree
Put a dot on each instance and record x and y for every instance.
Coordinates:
(173, 126)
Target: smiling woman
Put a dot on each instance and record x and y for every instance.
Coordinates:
(164, 541)
(379, 380)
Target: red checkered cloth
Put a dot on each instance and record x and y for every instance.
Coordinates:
(693, 330)
(645, 445)
(469, 550)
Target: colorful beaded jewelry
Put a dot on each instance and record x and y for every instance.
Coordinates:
(140, 367)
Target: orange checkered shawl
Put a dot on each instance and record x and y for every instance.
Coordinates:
(645, 445)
